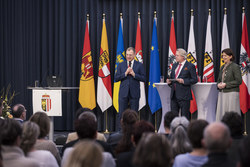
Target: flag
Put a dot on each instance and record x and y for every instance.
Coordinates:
(172, 47)
(191, 57)
(120, 57)
(87, 84)
(225, 38)
(154, 73)
(139, 57)
(208, 70)
(245, 68)
(104, 90)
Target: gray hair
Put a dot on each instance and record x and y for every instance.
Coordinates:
(182, 52)
(179, 139)
(131, 48)
(217, 137)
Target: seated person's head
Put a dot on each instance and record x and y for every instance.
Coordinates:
(19, 111)
(168, 118)
(153, 150)
(79, 111)
(11, 132)
(86, 125)
(217, 137)
(179, 140)
(29, 136)
(129, 117)
(234, 122)
(43, 121)
(140, 128)
(86, 153)
(195, 132)
(244, 152)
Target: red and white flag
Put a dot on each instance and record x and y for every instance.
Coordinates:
(139, 57)
(104, 89)
(172, 47)
(191, 57)
(208, 71)
(245, 68)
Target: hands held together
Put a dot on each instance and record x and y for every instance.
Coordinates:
(221, 85)
(130, 71)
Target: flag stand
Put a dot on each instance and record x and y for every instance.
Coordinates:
(106, 124)
(155, 122)
(245, 124)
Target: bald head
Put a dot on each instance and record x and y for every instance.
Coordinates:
(217, 137)
(19, 111)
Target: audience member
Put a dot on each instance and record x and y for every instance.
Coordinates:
(168, 118)
(124, 159)
(12, 154)
(234, 122)
(244, 152)
(129, 118)
(43, 121)
(153, 150)
(217, 140)
(29, 137)
(114, 138)
(198, 156)
(73, 136)
(19, 113)
(86, 153)
(86, 128)
(179, 139)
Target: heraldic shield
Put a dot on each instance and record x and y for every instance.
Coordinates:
(46, 103)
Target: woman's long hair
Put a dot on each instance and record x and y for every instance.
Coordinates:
(129, 118)
(179, 139)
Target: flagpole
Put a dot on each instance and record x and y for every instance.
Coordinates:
(156, 111)
(172, 13)
(245, 115)
(106, 112)
(139, 16)
(192, 13)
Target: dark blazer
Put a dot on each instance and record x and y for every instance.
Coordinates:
(188, 74)
(130, 84)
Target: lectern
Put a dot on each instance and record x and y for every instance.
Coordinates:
(48, 100)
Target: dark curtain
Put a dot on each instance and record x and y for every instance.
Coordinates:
(45, 37)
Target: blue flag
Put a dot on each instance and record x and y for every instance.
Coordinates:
(154, 73)
(120, 57)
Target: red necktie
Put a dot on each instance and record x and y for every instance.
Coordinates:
(178, 70)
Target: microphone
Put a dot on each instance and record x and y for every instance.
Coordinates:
(129, 63)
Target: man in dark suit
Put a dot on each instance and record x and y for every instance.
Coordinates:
(183, 75)
(130, 73)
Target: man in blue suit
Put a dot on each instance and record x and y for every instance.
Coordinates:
(130, 73)
(183, 75)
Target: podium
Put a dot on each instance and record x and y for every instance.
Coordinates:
(164, 91)
(206, 95)
(48, 100)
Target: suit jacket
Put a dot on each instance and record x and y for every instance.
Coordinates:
(129, 84)
(188, 74)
